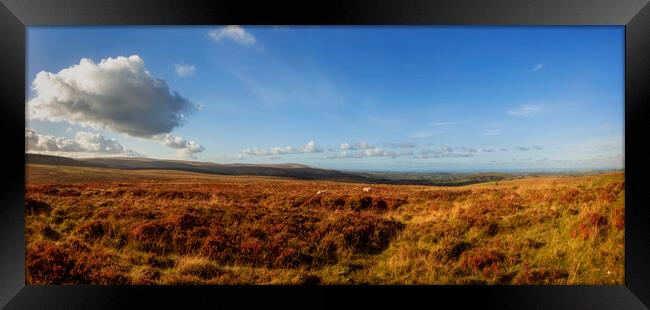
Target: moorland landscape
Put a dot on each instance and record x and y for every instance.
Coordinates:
(102, 225)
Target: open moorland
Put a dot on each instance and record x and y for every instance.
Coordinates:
(118, 226)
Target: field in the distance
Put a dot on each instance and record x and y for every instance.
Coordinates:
(115, 226)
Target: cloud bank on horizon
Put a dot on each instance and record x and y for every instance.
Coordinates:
(83, 142)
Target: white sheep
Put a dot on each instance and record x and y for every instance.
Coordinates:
(367, 189)
(321, 192)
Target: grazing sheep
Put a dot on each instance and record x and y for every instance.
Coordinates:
(367, 189)
(321, 192)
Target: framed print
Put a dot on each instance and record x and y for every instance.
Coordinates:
(418, 150)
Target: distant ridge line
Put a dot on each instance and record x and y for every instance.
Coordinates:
(293, 171)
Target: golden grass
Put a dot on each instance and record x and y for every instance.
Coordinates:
(108, 226)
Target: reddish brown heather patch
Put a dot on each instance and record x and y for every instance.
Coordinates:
(184, 195)
(69, 193)
(186, 220)
(116, 193)
(61, 263)
(479, 215)
(92, 230)
(486, 209)
(50, 263)
(340, 202)
(618, 218)
(34, 206)
(77, 245)
(286, 239)
(102, 213)
(582, 195)
(591, 225)
(611, 191)
(49, 233)
(487, 213)
(332, 202)
(51, 191)
(189, 240)
(139, 193)
(217, 246)
(364, 232)
(250, 246)
(152, 235)
(129, 212)
(479, 259)
(358, 203)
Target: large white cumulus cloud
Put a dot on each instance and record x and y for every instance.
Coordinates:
(83, 142)
(118, 94)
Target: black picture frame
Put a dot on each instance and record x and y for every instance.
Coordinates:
(16, 15)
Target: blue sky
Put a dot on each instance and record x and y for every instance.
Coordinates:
(381, 98)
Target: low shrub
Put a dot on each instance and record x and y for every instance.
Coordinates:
(591, 225)
(542, 275)
(92, 230)
(52, 263)
(35, 206)
(450, 248)
(479, 259)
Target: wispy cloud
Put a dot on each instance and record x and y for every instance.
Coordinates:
(538, 67)
(435, 128)
(399, 145)
(233, 33)
(441, 124)
(447, 152)
(184, 70)
(294, 88)
(492, 132)
(529, 148)
(310, 147)
(525, 110)
(424, 134)
(269, 96)
(602, 143)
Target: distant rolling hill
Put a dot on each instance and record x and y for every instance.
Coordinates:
(294, 171)
(59, 161)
